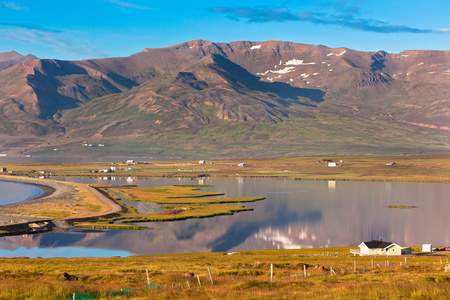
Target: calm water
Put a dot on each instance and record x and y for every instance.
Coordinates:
(295, 214)
(17, 192)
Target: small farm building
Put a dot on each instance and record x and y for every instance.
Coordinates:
(376, 247)
(427, 248)
(201, 162)
(4, 170)
(130, 162)
(241, 165)
(332, 164)
(114, 168)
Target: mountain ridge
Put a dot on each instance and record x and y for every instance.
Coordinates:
(193, 87)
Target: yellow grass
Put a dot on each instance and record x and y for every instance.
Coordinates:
(243, 275)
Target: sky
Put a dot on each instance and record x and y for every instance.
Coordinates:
(83, 29)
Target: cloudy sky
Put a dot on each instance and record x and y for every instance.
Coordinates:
(81, 29)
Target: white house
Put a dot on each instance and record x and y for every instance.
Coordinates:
(332, 164)
(114, 168)
(241, 165)
(376, 247)
(130, 162)
(201, 162)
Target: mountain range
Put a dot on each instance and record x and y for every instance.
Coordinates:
(204, 99)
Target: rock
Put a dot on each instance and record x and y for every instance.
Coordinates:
(68, 277)
(319, 267)
(188, 274)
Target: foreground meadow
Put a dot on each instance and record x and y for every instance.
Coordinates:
(330, 273)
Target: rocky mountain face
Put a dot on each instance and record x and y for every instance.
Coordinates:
(8, 59)
(242, 94)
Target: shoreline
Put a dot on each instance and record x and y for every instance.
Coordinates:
(10, 214)
(416, 168)
(46, 189)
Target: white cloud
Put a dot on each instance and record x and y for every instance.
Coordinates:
(123, 4)
(443, 30)
(59, 41)
(12, 5)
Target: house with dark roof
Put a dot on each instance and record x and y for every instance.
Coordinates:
(379, 247)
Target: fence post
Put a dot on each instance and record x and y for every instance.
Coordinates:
(148, 278)
(189, 286)
(198, 277)
(354, 266)
(210, 276)
(304, 270)
(271, 272)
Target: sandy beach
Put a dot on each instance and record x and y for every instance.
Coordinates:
(53, 190)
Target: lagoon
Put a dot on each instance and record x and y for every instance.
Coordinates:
(295, 214)
(17, 192)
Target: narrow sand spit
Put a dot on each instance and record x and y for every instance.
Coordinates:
(53, 189)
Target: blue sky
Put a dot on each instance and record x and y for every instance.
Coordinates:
(84, 29)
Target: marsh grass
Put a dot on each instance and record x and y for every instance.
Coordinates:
(243, 275)
(401, 206)
(181, 203)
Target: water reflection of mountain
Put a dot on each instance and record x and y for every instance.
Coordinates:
(294, 215)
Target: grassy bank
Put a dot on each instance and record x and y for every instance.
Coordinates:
(418, 168)
(242, 275)
(181, 203)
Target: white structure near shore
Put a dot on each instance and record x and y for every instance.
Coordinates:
(380, 247)
(427, 248)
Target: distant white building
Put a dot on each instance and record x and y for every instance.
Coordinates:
(114, 168)
(130, 162)
(427, 248)
(201, 162)
(241, 165)
(332, 164)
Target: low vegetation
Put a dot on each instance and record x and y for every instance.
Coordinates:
(330, 273)
(400, 206)
(181, 203)
(417, 168)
